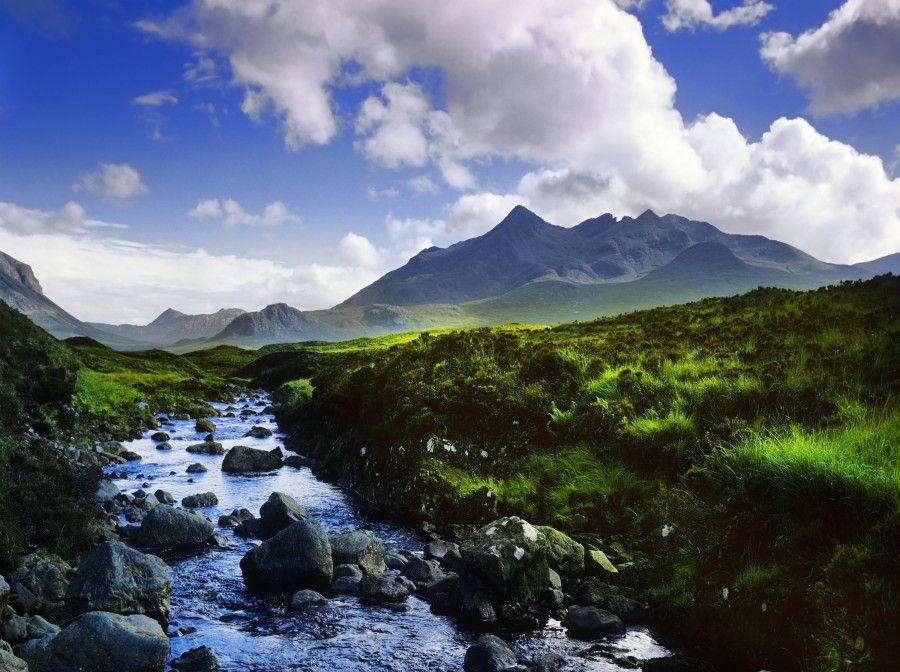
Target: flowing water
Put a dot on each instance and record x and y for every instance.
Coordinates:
(248, 632)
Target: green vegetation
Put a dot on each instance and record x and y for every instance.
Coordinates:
(744, 450)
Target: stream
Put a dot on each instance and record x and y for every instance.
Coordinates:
(249, 632)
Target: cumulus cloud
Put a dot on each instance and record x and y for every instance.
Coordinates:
(108, 279)
(689, 14)
(359, 251)
(156, 99)
(231, 214)
(115, 181)
(592, 120)
(847, 64)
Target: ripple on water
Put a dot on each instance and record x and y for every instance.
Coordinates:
(256, 633)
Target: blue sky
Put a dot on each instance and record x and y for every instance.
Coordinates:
(395, 129)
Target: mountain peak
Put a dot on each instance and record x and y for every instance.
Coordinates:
(520, 218)
(166, 315)
(19, 272)
(648, 215)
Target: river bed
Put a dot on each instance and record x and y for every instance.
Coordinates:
(252, 633)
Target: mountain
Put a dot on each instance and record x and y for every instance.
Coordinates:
(20, 289)
(525, 249)
(172, 326)
(888, 264)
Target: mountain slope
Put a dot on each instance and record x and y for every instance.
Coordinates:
(20, 289)
(172, 326)
(888, 264)
(524, 249)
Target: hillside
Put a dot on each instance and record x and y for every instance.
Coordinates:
(20, 289)
(888, 264)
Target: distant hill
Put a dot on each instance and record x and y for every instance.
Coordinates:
(525, 249)
(20, 289)
(888, 264)
(172, 326)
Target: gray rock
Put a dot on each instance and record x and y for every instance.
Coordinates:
(419, 571)
(202, 499)
(507, 561)
(358, 547)
(489, 654)
(39, 584)
(4, 594)
(205, 425)
(564, 554)
(297, 461)
(35, 652)
(346, 584)
(305, 599)
(200, 659)
(160, 436)
(10, 663)
(15, 629)
(278, 512)
(167, 527)
(165, 445)
(591, 622)
(297, 557)
(206, 448)
(436, 550)
(106, 491)
(243, 460)
(196, 468)
(353, 571)
(99, 641)
(121, 580)
(164, 497)
(395, 561)
(38, 627)
(258, 432)
(381, 588)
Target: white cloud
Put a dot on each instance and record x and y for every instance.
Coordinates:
(422, 184)
(689, 14)
(232, 214)
(570, 90)
(108, 279)
(115, 181)
(156, 99)
(202, 71)
(359, 251)
(847, 64)
(377, 194)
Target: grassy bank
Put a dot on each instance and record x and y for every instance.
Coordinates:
(743, 451)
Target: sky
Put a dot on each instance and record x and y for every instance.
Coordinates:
(235, 153)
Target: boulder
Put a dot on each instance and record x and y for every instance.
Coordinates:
(591, 622)
(564, 554)
(106, 491)
(205, 425)
(199, 500)
(10, 663)
(381, 588)
(15, 629)
(278, 512)
(258, 432)
(129, 455)
(206, 448)
(168, 527)
(596, 563)
(358, 547)
(305, 599)
(164, 497)
(353, 571)
(121, 580)
(37, 627)
(506, 561)
(4, 594)
(489, 654)
(160, 436)
(297, 461)
(346, 584)
(196, 468)
(421, 571)
(99, 641)
(200, 659)
(243, 459)
(39, 583)
(297, 557)
(165, 445)
(438, 549)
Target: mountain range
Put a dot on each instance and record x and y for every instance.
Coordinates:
(523, 270)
